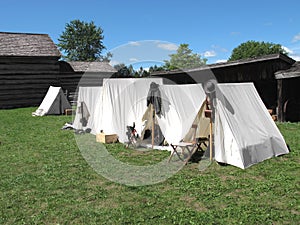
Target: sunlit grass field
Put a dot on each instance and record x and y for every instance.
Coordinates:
(45, 180)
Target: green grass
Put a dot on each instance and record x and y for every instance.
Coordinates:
(45, 180)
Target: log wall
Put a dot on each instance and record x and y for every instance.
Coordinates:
(24, 81)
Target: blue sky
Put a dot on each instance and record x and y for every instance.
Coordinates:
(211, 28)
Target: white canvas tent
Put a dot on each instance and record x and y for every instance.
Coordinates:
(247, 134)
(88, 100)
(244, 132)
(117, 104)
(54, 103)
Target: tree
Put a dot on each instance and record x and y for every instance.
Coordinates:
(251, 49)
(82, 41)
(156, 68)
(128, 71)
(184, 58)
(124, 71)
(142, 72)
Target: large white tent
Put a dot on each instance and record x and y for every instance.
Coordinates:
(244, 132)
(54, 103)
(113, 107)
(88, 100)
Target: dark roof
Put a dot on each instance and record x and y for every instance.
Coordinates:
(294, 71)
(231, 63)
(78, 66)
(25, 44)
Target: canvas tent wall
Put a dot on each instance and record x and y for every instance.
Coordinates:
(244, 132)
(54, 103)
(89, 98)
(118, 103)
(182, 106)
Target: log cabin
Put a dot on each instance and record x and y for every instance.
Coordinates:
(30, 63)
(28, 66)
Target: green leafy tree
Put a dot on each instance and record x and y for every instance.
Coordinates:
(156, 68)
(124, 71)
(128, 71)
(82, 41)
(184, 58)
(251, 49)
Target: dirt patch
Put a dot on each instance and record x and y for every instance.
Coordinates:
(194, 203)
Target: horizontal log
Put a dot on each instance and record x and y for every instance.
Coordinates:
(29, 67)
(18, 79)
(17, 105)
(27, 102)
(27, 76)
(23, 91)
(39, 91)
(33, 81)
(20, 96)
(70, 76)
(6, 72)
(27, 59)
(28, 86)
(73, 81)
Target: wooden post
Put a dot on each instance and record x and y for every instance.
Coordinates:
(280, 100)
(210, 139)
(153, 117)
(81, 109)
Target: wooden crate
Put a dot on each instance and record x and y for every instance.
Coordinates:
(106, 138)
(69, 112)
(207, 113)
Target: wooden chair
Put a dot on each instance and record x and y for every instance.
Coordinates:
(190, 147)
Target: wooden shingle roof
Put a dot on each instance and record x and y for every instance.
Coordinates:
(26, 44)
(79, 66)
(294, 71)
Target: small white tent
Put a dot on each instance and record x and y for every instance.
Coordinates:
(54, 103)
(244, 132)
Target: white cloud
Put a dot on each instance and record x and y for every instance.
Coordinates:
(134, 43)
(295, 57)
(133, 60)
(296, 38)
(219, 48)
(168, 46)
(289, 51)
(210, 53)
(294, 52)
(221, 60)
(268, 24)
(114, 62)
(235, 33)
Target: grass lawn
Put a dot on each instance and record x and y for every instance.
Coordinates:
(45, 180)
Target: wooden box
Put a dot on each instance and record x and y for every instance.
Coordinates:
(68, 112)
(106, 138)
(207, 113)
